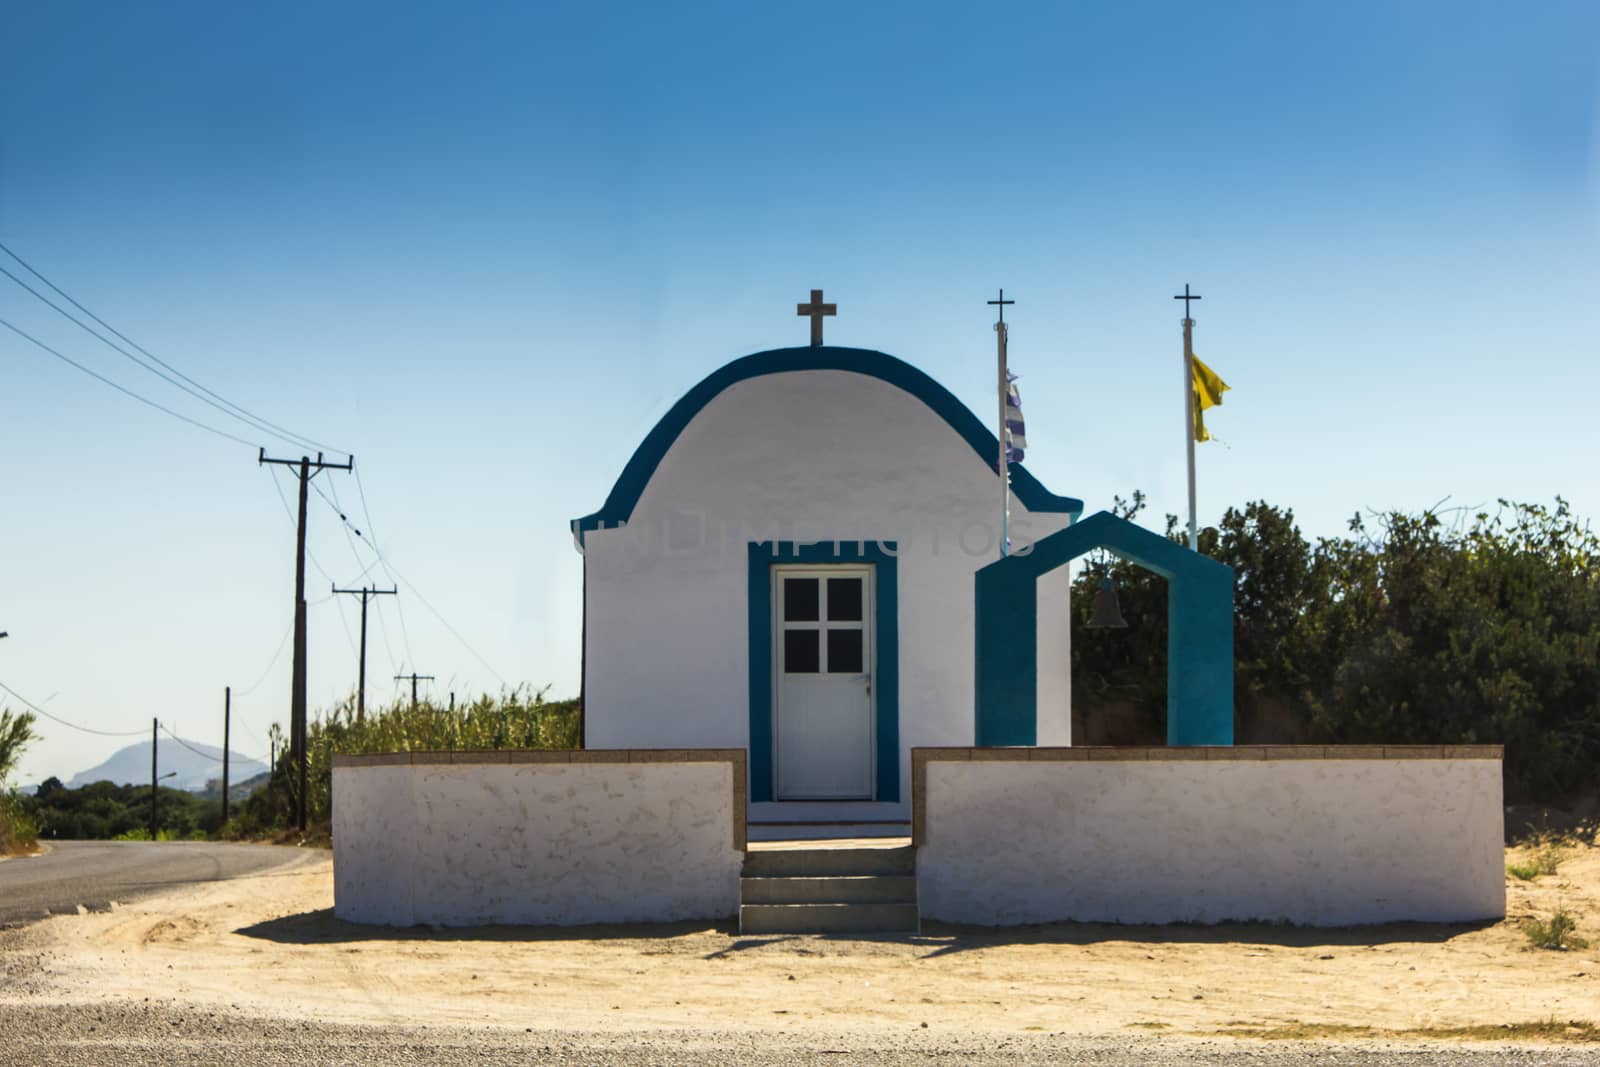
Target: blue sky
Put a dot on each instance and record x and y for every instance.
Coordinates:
(485, 249)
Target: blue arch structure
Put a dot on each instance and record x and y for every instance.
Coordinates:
(1199, 632)
(619, 505)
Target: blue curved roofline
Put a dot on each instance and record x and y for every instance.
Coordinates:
(619, 505)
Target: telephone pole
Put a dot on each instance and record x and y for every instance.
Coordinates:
(307, 468)
(155, 724)
(414, 676)
(366, 593)
(227, 714)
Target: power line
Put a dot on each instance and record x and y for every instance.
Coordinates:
(400, 609)
(217, 401)
(289, 512)
(31, 706)
(123, 389)
(186, 744)
(395, 575)
(275, 657)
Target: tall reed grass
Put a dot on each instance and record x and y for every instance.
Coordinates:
(516, 718)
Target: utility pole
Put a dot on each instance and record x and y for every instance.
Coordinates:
(227, 714)
(297, 699)
(414, 676)
(366, 593)
(154, 725)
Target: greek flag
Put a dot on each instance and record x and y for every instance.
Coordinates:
(1016, 434)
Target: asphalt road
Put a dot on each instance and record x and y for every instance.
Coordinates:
(94, 873)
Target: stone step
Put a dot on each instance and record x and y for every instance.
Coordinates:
(845, 889)
(829, 862)
(857, 918)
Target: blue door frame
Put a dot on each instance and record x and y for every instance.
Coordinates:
(763, 556)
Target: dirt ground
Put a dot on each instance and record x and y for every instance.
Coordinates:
(269, 943)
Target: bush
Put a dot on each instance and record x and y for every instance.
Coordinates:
(1555, 933)
(102, 811)
(1485, 630)
(17, 830)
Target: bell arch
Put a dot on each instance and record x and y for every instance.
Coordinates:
(1199, 633)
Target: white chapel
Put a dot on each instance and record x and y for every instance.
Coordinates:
(786, 565)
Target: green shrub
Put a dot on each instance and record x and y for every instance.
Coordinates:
(1431, 628)
(1556, 932)
(17, 829)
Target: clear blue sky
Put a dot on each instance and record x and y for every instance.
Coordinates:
(484, 249)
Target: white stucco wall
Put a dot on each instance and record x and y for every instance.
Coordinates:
(470, 844)
(1322, 842)
(800, 456)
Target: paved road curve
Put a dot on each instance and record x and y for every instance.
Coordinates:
(94, 873)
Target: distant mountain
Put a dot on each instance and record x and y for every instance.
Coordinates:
(131, 766)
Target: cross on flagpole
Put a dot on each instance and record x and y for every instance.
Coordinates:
(1188, 407)
(816, 309)
(1004, 466)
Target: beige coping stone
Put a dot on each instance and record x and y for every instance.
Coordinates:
(1118, 754)
(501, 755)
(599, 755)
(1353, 752)
(658, 755)
(1413, 752)
(541, 755)
(1295, 751)
(1475, 752)
(371, 759)
(1004, 754)
(1232, 752)
(1059, 754)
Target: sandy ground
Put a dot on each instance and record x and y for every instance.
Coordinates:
(268, 944)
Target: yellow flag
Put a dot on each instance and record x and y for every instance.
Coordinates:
(1208, 390)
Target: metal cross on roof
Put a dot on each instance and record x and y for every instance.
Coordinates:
(816, 309)
(1002, 302)
(1186, 296)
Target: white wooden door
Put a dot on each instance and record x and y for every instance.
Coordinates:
(823, 657)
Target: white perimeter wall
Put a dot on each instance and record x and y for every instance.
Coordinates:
(802, 456)
(474, 844)
(1321, 842)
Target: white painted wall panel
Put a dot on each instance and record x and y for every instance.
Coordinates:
(1054, 657)
(562, 844)
(374, 844)
(1318, 842)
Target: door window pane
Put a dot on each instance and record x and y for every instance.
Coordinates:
(844, 599)
(802, 650)
(800, 600)
(844, 651)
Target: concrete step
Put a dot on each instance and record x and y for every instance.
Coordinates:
(846, 889)
(820, 830)
(857, 918)
(829, 862)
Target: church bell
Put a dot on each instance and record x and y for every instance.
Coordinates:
(1107, 613)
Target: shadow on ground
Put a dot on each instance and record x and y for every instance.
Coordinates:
(322, 927)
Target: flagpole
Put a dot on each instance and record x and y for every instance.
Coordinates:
(1005, 459)
(1188, 416)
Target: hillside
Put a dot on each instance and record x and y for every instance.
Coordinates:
(131, 765)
